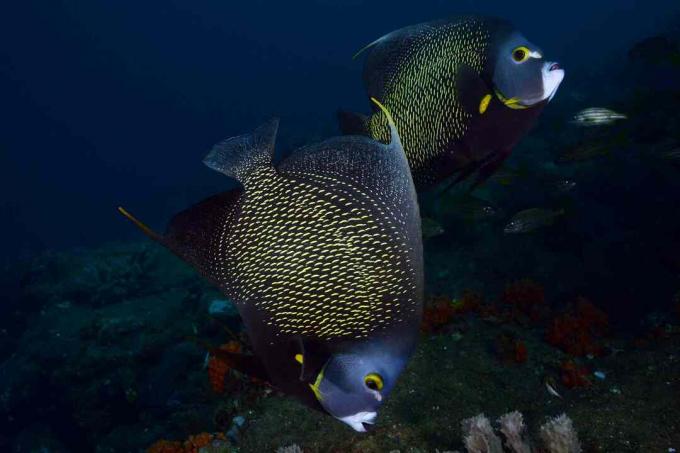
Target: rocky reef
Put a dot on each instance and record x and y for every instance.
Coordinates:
(113, 370)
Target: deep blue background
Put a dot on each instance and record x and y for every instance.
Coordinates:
(110, 102)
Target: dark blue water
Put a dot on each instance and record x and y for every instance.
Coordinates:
(111, 102)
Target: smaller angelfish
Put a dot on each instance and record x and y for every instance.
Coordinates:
(597, 116)
(531, 219)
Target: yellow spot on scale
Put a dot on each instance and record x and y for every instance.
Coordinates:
(484, 104)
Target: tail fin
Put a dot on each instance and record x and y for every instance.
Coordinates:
(237, 157)
(353, 123)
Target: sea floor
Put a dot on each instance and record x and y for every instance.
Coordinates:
(101, 354)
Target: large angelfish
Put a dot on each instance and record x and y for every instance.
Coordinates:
(322, 255)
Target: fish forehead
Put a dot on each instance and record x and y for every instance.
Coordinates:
(320, 257)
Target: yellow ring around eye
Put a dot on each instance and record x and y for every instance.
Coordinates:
(374, 381)
(521, 54)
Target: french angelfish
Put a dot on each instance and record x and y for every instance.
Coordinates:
(462, 91)
(322, 256)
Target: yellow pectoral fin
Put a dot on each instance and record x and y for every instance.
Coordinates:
(315, 386)
(512, 103)
(484, 104)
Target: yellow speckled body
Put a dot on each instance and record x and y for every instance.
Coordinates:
(319, 253)
(316, 261)
(422, 93)
(435, 79)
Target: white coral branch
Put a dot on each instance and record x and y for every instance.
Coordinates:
(512, 426)
(559, 436)
(479, 436)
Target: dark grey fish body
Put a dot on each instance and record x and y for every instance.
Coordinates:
(458, 99)
(323, 258)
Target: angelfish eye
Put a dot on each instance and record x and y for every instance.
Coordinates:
(521, 54)
(373, 381)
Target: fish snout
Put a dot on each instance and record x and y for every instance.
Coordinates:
(553, 74)
(361, 421)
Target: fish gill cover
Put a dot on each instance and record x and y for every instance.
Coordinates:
(551, 298)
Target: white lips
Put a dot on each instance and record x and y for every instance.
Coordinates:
(357, 420)
(551, 80)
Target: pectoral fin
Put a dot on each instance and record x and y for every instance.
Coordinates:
(312, 358)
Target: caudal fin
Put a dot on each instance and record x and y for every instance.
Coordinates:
(353, 123)
(239, 156)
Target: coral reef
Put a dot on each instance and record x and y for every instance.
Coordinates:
(199, 443)
(526, 300)
(512, 427)
(510, 349)
(289, 449)
(579, 329)
(440, 310)
(557, 434)
(97, 279)
(479, 436)
(218, 368)
(573, 375)
(119, 374)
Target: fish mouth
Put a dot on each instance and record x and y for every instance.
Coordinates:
(361, 421)
(552, 74)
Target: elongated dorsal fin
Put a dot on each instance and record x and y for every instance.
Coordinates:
(367, 46)
(239, 156)
(395, 141)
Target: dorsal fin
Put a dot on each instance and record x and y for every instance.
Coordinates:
(395, 141)
(239, 156)
(368, 46)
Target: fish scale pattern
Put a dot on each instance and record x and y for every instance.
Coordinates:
(318, 254)
(422, 94)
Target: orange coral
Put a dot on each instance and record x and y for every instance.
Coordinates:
(218, 368)
(574, 375)
(440, 310)
(576, 331)
(521, 353)
(510, 349)
(437, 313)
(166, 446)
(197, 441)
(470, 301)
(526, 299)
(192, 445)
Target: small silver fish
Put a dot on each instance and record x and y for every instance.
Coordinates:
(531, 219)
(563, 185)
(672, 155)
(597, 116)
(552, 390)
(431, 228)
